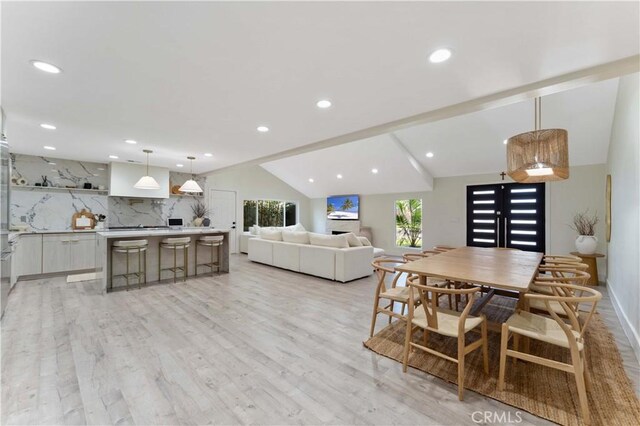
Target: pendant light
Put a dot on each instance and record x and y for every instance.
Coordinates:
(541, 155)
(147, 182)
(191, 185)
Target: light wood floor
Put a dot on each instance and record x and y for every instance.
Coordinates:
(259, 345)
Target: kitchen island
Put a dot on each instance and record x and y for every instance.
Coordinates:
(105, 240)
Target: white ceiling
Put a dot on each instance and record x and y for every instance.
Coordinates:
(463, 145)
(188, 78)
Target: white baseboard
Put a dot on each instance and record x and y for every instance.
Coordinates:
(627, 327)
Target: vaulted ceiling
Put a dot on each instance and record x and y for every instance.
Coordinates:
(186, 78)
(464, 145)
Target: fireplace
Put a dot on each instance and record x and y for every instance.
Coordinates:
(339, 226)
(339, 232)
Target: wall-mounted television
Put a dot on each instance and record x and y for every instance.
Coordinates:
(343, 207)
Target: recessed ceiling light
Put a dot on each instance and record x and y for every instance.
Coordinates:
(440, 55)
(130, 141)
(374, 171)
(208, 154)
(52, 163)
(48, 126)
(115, 157)
(100, 168)
(263, 129)
(311, 180)
(339, 176)
(43, 66)
(50, 148)
(323, 104)
(429, 154)
(179, 165)
(505, 141)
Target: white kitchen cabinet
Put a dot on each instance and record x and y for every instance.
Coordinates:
(68, 252)
(55, 253)
(83, 252)
(27, 257)
(123, 176)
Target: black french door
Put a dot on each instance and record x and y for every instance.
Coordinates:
(506, 215)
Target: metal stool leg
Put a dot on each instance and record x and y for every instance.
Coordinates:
(219, 256)
(159, 263)
(185, 270)
(145, 266)
(139, 267)
(175, 264)
(196, 260)
(127, 273)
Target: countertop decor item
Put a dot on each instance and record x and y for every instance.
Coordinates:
(199, 212)
(147, 181)
(83, 219)
(541, 155)
(584, 225)
(175, 189)
(88, 185)
(45, 181)
(191, 186)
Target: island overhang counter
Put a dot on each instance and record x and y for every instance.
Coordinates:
(105, 240)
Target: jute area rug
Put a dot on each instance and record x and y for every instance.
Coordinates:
(542, 391)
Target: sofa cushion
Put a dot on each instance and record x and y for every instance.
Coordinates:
(335, 241)
(295, 237)
(295, 228)
(267, 234)
(364, 241)
(353, 240)
(286, 255)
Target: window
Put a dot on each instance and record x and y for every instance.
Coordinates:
(269, 213)
(409, 223)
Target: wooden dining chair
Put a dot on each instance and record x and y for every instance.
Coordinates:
(554, 331)
(561, 258)
(392, 293)
(432, 319)
(559, 276)
(568, 274)
(443, 248)
(432, 281)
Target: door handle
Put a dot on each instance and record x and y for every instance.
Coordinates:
(233, 227)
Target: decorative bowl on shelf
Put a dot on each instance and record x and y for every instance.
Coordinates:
(175, 189)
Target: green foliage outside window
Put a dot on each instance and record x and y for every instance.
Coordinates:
(409, 223)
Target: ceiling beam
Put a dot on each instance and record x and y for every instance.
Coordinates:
(546, 87)
(428, 177)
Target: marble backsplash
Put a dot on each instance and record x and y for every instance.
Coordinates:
(59, 172)
(52, 209)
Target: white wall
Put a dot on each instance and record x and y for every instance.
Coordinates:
(624, 252)
(253, 183)
(444, 210)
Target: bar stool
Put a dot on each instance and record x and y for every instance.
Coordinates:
(175, 244)
(211, 241)
(128, 247)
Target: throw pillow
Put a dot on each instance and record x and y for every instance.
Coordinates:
(295, 237)
(267, 234)
(353, 240)
(364, 241)
(336, 241)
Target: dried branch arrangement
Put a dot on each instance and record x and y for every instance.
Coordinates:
(584, 224)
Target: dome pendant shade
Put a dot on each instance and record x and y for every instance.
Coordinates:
(538, 156)
(147, 181)
(541, 155)
(191, 185)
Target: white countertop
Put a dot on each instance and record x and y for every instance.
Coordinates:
(161, 232)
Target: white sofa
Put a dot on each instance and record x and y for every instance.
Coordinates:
(338, 264)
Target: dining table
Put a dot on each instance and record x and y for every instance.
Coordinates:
(508, 271)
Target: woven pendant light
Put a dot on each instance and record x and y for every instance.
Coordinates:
(538, 156)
